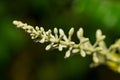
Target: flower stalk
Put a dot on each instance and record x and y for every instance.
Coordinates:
(99, 51)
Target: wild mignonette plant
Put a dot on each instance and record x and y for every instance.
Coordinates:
(101, 54)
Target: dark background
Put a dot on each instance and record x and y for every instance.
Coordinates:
(22, 59)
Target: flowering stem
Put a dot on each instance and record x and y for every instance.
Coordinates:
(99, 51)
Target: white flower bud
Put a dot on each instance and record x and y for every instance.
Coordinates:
(48, 47)
(48, 33)
(32, 37)
(60, 48)
(42, 29)
(67, 54)
(55, 31)
(98, 33)
(37, 28)
(80, 33)
(82, 52)
(71, 31)
(15, 22)
(75, 50)
(42, 40)
(61, 32)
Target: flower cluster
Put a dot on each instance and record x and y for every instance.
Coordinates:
(58, 40)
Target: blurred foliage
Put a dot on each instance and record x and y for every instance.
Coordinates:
(21, 59)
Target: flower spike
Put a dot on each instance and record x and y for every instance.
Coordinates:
(99, 51)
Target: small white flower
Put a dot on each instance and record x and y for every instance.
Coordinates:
(71, 31)
(37, 28)
(82, 52)
(80, 33)
(42, 29)
(60, 48)
(99, 35)
(63, 34)
(75, 50)
(67, 54)
(56, 32)
(48, 47)
(42, 40)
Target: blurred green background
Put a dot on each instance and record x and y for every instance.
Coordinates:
(22, 59)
